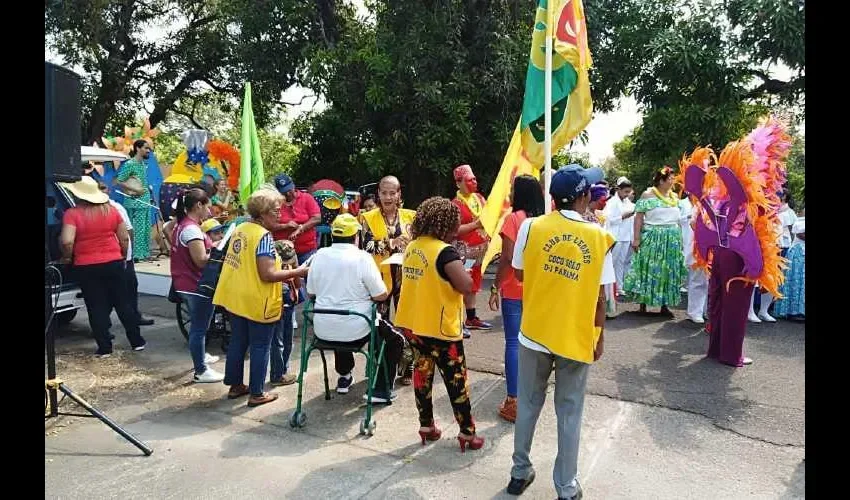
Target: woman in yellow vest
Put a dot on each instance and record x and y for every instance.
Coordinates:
(430, 310)
(386, 231)
(250, 288)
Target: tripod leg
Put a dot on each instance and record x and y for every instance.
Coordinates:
(106, 420)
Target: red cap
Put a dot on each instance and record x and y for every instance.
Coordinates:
(463, 172)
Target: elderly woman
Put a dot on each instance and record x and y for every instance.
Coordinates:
(94, 239)
(658, 267)
(386, 231)
(250, 288)
(430, 310)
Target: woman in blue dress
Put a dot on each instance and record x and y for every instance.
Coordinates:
(793, 303)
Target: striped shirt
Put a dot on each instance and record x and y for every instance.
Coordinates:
(266, 246)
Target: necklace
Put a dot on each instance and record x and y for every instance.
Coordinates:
(670, 201)
(387, 220)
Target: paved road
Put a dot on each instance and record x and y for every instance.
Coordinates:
(660, 423)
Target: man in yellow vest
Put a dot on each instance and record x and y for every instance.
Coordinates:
(560, 257)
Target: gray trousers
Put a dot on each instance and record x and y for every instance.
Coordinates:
(570, 381)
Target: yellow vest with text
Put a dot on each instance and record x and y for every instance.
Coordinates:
(429, 305)
(378, 227)
(240, 289)
(562, 263)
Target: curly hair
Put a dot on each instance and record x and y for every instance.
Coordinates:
(262, 201)
(437, 217)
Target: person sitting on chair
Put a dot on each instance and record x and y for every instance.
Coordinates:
(344, 277)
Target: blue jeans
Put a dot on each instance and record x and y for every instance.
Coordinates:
(511, 318)
(257, 336)
(281, 346)
(201, 311)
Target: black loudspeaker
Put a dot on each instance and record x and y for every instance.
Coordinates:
(62, 112)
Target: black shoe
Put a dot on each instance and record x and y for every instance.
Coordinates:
(517, 486)
(145, 322)
(343, 383)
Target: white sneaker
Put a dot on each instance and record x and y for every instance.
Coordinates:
(752, 318)
(208, 377)
(683, 290)
(210, 359)
(696, 319)
(767, 318)
(294, 323)
(747, 361)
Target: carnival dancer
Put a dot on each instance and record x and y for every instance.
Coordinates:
(133, 182)
(658, 268)
(734, 231)
(619, 210)
(386, 231)
(472, 239)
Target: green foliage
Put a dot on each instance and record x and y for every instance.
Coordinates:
(205, 45)
(797, 171)
(423, 88)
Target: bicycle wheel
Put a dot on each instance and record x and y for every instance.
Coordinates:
(183, 318)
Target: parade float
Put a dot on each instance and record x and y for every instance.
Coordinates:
(205, 160)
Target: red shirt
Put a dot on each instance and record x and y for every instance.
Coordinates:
(95, 241)
(511, 287)
(473, 238)
(303, 208)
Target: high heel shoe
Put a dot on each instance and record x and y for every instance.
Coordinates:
(432, 434)
(473, 442)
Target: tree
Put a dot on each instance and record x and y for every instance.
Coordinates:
(204, 45)
(422, 88)
(698, 69)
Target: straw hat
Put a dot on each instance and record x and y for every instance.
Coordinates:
(86, 189)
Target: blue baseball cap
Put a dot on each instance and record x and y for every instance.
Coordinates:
(284, 183)
(571, 181)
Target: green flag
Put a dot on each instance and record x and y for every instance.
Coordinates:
(251, 175)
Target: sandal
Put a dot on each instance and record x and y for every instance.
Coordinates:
(237, 391)
(266, 397)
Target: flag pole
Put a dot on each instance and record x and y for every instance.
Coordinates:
(547, 117)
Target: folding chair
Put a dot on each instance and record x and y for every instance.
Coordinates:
(374, 357)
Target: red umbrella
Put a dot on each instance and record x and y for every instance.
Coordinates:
(329, 185)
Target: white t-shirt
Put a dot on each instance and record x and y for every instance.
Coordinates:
(608, 275)
(343, 277)
(787, 218)
(189, 233)
(126, 218)
(622, 229)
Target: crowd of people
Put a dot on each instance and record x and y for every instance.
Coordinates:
(596, 247)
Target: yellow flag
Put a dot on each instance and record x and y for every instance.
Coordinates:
(499, 202)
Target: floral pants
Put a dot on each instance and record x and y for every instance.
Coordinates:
(432, 354)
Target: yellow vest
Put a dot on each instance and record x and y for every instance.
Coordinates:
(240, 289)
(562, 269)
(429, 305)
(378, 227)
